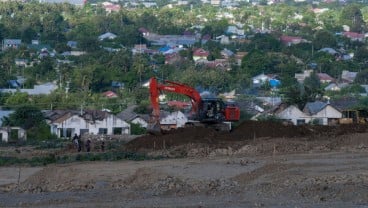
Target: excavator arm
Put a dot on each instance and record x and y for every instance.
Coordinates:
(155, 88)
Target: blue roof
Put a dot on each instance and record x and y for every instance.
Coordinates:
(274, 82)
(13, 83)
(164, 49)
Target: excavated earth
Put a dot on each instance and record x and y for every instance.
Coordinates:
(258, 164)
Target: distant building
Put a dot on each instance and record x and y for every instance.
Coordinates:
(73, 2)
(11, 43)
(108, 35)
(66, 123)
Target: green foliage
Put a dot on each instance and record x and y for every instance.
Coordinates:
(136, 129)
(16, 99)
(324, 39)
(352, 17)
(354, 89)
(31, 119)
(362, 77)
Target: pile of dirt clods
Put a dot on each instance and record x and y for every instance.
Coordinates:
(244, 131)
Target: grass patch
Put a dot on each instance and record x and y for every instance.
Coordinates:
(51, 158)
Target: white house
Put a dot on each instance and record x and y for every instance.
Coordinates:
(67, 123)
(314, 112)
(173, 120)
(6, 132)
(293, 114)
(322, 113)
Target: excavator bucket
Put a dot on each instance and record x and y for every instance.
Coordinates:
(154, 128)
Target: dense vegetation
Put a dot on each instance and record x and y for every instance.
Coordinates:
(89, 75)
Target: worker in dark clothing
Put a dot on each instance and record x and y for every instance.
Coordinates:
(103, 146)
(88, 145)
(76, 141)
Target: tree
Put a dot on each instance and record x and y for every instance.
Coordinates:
(361, 54)
(352, 17)
(324, 38)
(312, 87)
(31, 119)
(362, 77)
(255, 63)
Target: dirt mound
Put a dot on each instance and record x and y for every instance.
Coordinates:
(248, 130)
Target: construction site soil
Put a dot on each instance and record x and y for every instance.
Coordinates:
(249, 132)
(258, 164)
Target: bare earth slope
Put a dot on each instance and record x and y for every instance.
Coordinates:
(257, 165)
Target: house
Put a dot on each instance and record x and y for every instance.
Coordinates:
(21, 62)
(12, 134)
(11, 43)
(325, 78)
(72, 44)
(65, 123)
(348, 76)
(226, 53)
(261, 79)
(110, 94)
(322, 113)
(173, 58)
(108, 35)
(200, 54)
(78, 3)
(130, 116)
(172, 120)
(144, 31)
(330, 51)
(234, 30)
(291, 113)
(348, 106)
(291, 40)
(317, 112)
(139, 48)
(42, 89)
(300, 77)
(110, 7)
(353, 36)
(335, 86)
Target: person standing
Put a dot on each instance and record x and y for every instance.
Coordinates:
(103, 146)
(76, 141)
(88, 145)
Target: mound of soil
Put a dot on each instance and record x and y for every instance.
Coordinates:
(245, 131)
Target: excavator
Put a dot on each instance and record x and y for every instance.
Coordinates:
(206, 112)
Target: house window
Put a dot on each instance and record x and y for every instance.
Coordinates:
(300, 121)
(83, 131)
(66, 132)
(102, 131)
(117, 131)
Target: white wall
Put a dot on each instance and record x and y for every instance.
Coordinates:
(293, 114)
(77, 123)
(326, 113)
